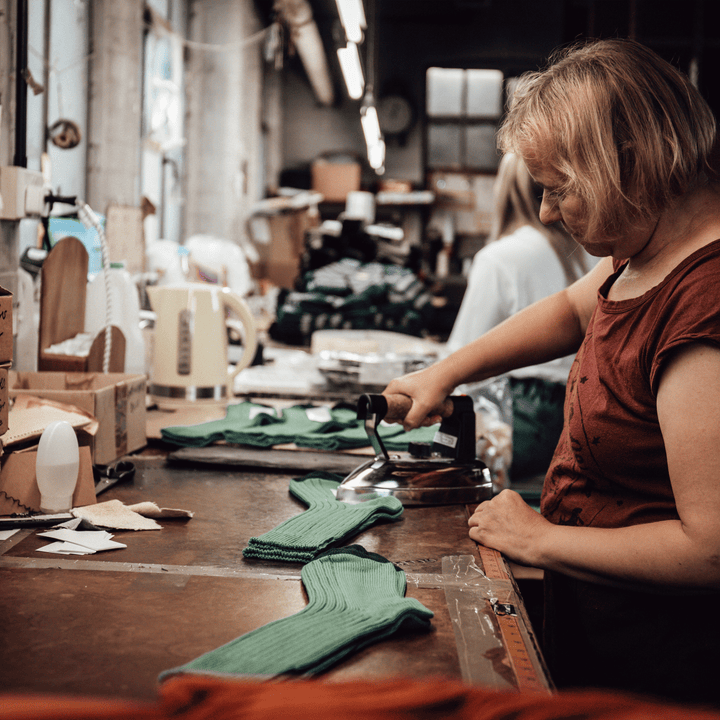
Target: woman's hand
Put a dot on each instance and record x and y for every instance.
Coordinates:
(508, 524)
(427, 389)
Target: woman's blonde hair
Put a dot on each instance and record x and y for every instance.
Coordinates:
(517, 203)
(627, 131)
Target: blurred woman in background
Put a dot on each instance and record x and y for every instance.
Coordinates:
(522, 262)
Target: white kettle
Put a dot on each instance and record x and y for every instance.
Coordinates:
(190, 356)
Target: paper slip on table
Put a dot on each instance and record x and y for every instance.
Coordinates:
(108, 624)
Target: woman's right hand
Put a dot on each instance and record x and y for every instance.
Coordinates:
(427, 390)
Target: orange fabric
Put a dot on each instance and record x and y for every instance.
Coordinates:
(15, 706)
(203, 698)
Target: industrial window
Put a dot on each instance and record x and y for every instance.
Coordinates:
(463, 109)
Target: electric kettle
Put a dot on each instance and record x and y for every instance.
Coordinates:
(190, 356)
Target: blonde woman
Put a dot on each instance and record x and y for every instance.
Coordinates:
(629, 530)
(522, 262)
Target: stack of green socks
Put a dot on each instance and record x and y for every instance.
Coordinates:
(394, 437)
(238, 416)
(355, 598)
(258, 425)
(326, 522)
(320, 428)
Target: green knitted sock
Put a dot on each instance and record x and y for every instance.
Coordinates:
(392, 435)
(240, 415)
(355, 598)
(296, 420)
(326, 522)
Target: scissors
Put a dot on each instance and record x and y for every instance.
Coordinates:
(106, 477)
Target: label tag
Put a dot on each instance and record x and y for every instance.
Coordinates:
(319, 414)
(442, 438)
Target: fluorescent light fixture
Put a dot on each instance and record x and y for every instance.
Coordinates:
(376, 156)
(349, 59)
(352, 17)
(370, 125)
(373, 136)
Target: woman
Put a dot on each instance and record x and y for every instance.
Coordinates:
(523, 261)
(629, 534)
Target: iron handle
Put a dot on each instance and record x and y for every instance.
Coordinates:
(399, 406)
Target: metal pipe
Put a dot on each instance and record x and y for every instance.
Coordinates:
(306, 37)
(21, 55)
(46, 75)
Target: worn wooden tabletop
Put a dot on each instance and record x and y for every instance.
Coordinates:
(109, 623)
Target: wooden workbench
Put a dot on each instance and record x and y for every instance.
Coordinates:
(108, 624)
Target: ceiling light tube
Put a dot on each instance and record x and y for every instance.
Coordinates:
(349, 59)
(370, 125)
(352, 17)
(376, 156)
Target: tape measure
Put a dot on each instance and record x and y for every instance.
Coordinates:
(527, 665)
(493, 564)
(527, 675)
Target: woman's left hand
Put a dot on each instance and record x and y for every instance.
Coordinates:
(508, 524)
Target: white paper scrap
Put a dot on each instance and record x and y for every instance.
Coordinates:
(6, 534)
(66, 548)
(96, 541)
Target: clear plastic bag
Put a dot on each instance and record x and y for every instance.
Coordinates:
(492, 400)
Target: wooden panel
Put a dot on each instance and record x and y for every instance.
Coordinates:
(231, 507)
(108, 624)
(96, 356)
(113, 633)
(62, 294)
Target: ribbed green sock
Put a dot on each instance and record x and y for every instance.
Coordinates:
(238, 416)
(326, 522)
(355, 598)
(393, 437)
(296, 420)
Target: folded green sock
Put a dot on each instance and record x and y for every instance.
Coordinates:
(393, 437)
(355, 598)
(326, 522)
(238, 416)
(297, 420)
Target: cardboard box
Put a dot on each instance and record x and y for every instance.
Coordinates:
(335, 179)
(19, 492)
(116, 400)
(4, 405)
(280, 241)
(6, 326)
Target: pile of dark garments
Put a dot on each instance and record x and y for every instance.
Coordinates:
(352, 295)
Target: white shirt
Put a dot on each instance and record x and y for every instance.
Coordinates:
(506, 276)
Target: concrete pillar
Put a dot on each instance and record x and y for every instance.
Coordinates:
(115, 103)
(224, 91)
(9, 230)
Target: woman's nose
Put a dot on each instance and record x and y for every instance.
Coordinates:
(549, 211)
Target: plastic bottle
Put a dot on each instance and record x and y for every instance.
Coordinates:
(56, 466)
(184, 258)
(125, 313)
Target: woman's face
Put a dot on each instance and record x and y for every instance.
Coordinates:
(558, 205)
(561, 206)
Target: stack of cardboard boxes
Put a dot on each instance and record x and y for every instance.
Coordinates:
(107, 411)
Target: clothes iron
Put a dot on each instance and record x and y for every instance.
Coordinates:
(443, 472)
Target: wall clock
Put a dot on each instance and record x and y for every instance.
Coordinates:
(396, 114)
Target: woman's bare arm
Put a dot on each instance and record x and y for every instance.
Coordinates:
(548, 329)
(680, 554)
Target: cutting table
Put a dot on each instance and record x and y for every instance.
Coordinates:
(108, 624)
